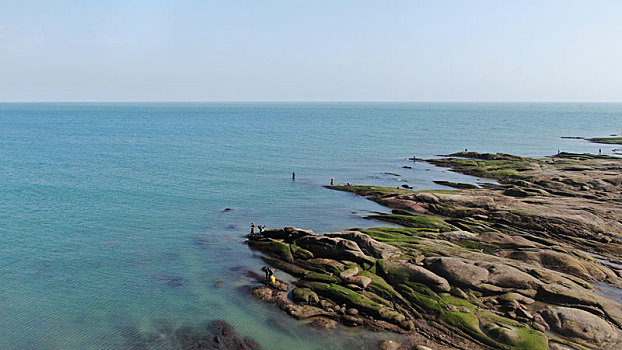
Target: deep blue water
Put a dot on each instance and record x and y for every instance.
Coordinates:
(112, 221)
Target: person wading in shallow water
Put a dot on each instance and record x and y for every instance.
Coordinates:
(293, 176)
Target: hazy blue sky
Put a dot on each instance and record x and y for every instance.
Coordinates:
(272, 50)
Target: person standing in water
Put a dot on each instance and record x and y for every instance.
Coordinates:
(293, 176)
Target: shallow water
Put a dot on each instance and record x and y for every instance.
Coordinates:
(112, 214)
(608, 291)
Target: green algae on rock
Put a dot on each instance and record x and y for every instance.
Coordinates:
(502, 267)
(607, 140)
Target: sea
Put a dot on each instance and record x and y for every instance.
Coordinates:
(123, 222)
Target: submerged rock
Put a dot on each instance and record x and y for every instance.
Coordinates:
(324, 323)
(215, 335)
(171, 280)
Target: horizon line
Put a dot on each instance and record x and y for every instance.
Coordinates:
(302, 101)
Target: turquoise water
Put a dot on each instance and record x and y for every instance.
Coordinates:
(112, 221)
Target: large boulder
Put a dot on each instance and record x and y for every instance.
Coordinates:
(334, 247)
(329, 266)
(583, 268)
(288, 233)
(506, 276)
(567, 263)
(398, 272)
(488, 277)
(369, 245)
(287, 267)
(274, 248)
(361, 281)
(581, 324)
(351, 272)
(457, 271)
(305, 295)
(426, 198)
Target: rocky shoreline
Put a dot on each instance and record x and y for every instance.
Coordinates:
(514, 265)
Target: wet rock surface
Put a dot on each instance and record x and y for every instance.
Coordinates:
(502, 267)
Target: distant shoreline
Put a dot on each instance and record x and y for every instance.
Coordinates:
(611, 140)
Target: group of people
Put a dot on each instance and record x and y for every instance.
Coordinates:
(332, 180)
(268, 270)
(261, 228)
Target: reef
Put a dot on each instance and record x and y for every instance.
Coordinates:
(516, 265)
(607, 140)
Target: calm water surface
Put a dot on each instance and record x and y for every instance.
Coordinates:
(112, 227)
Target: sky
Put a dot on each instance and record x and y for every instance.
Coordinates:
(320, 50)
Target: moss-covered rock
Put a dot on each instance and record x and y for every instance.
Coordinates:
(292, 269)
(305, 295)
(300, 253)
(326, 265)
(351, 272)
(356, 300)
(324, 246)
(496, 166)
(607, 140)
(344, 295)
(424, 222)
(511, 334)
(321, 277)
(369, 190)
(274, 248)
(423, 303)
(360, 281)
(402, 238)
(398, 272)
(380, 287)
